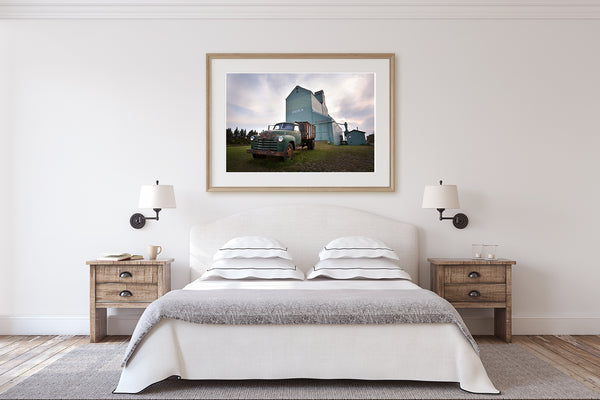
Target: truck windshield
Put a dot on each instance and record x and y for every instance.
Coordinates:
(284, 127)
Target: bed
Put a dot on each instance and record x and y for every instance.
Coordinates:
(392, 351)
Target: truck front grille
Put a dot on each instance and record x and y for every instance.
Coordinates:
(266, 144)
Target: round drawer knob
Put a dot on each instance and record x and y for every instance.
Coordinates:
(474, 293)
(125, 274)
(474, 274)
(125, 293)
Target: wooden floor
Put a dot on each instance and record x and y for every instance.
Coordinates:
(23, 356)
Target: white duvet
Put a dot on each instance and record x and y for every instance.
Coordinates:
(425, 352)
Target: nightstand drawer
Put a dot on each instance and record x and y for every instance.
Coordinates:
(475, 274)
(126, 274)
(487, 293)
(125, 293)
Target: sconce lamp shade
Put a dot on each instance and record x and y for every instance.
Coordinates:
(440, 196)
(157, 196)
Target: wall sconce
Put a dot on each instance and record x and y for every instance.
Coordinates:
(156, 197)
(442, 197)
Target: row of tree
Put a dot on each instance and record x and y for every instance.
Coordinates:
(242, 137)
(239, 136)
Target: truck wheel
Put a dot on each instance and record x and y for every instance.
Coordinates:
(311, 144)
(289, 152)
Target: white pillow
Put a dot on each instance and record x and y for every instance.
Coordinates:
(351, 268)
(356, 247)
(252, 247)
(252, 273)
(253, 263)
(358, 263)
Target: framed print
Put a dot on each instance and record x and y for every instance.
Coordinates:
(300, 122)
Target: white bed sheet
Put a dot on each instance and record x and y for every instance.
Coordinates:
(425, 352)
(318, 284)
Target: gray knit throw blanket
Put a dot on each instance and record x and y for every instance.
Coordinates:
(295, 307)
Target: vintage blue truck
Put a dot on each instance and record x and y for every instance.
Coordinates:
(282, 139)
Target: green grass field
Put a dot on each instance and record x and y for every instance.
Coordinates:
(324, 158)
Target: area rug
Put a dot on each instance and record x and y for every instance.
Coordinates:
(92, 372)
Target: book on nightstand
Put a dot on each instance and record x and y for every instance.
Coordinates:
(119, 257)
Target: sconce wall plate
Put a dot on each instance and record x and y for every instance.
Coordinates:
(460, 221)
(137, 220)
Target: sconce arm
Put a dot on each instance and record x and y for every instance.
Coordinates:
(460, 220)
(441, 211)
(156, 210)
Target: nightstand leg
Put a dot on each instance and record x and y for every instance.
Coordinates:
(503, 324)
(97, 324)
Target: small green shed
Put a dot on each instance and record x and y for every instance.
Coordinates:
(355, 137)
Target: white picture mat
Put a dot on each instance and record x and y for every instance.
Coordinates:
(219, 177)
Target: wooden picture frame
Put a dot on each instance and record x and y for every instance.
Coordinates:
(238, 84)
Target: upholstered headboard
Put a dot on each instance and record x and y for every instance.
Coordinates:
(304, 229)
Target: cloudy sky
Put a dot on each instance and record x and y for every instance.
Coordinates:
(257, 100)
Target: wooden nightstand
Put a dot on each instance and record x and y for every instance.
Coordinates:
(468, 283)
(124, 284)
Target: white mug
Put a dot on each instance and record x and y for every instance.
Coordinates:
(153, 251)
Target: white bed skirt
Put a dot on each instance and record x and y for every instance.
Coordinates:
(421, 352)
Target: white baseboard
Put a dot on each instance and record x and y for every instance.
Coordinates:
(538, 325)
(63, 324)
(121, 325)
(556, 325)
(124, 323)
(44, 325)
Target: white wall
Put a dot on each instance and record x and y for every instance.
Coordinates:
(6, 172)
(506, 109)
